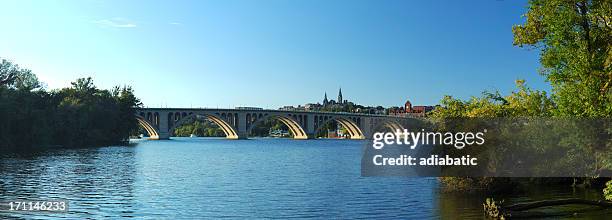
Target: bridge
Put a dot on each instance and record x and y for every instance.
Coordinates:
(160, 123)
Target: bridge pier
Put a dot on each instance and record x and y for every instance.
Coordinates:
(312, 136)
(164, 136)
(241, 135)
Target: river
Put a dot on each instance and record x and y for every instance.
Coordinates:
(218, 178)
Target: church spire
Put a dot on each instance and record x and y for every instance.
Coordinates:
(325, 101)
(340, 95)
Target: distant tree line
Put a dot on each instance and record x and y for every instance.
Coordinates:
(262, 129)
(206, 128)
(203, 128)
(81, 115)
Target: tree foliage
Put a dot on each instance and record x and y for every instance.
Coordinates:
(81, 115)
(203, 128)
(575, 42)
(12, 76)
(262, 129)
(608, 191)
(8, 72)
(522, 102)
(575, 39)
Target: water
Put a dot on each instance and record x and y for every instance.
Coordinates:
(217, 178)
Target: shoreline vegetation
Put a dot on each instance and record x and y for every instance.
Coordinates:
(575, 43)
(81, 115)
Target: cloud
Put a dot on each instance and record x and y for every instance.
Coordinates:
(176, 23)
(116, 23)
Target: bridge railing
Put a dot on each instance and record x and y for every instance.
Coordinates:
(277, 110)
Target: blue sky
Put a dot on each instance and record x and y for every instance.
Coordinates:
(273, 53)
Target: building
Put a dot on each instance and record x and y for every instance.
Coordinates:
(409, 110)
(287, 108)
(337, 105)
(278, 133)
(325, 101)
(312, 106)
(340, 102)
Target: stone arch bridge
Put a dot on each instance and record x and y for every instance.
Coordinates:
(160, 123)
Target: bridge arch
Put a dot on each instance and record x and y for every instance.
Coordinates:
(151, 131)
(388, 125)
(392, 125)
(351, 124)
(229, 130)
(294, 126)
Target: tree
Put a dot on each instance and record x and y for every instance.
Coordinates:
(127, 103)
(522, 102)
(11, 75)
(26, 80)
(84, 86)
(575, 39)
(8, 72)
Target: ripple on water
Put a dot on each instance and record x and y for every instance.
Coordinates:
(215, 178)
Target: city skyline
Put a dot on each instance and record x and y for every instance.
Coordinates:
(272, 54)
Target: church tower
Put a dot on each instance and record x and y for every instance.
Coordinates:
(325, 101)
(340, 95)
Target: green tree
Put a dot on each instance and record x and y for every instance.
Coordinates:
(8, 72)
(522, 102)
(81, 115)
(575, 39)
(608, 191)
(200, 128)
(26, 80)
(127, 104)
